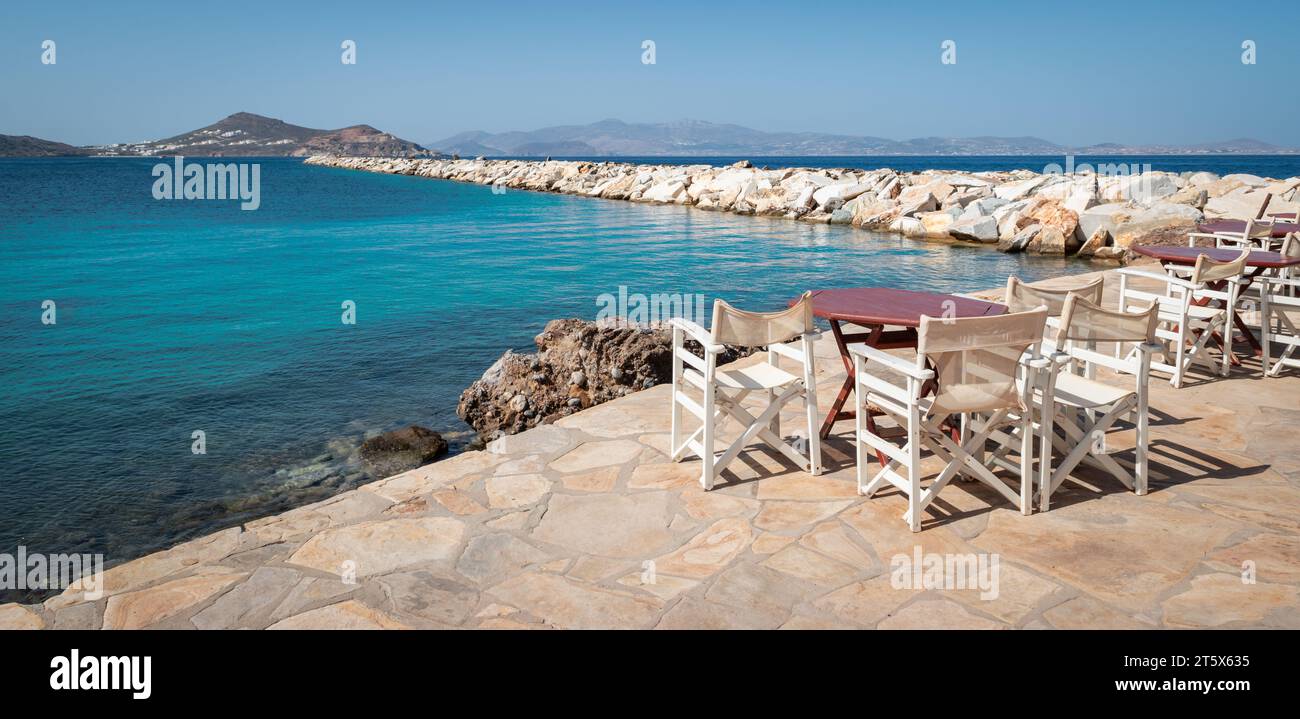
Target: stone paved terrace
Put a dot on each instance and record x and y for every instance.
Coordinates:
(550, 529)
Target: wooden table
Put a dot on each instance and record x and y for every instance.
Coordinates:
(1236, 227)
(1258, 262)
(874, 308)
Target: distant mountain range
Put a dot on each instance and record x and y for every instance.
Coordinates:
(695, 138)
(240, 135)
(247, 135)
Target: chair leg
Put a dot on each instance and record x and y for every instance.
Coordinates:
(1177, 380)
(814, 437)
(1140, 472)
(775, 425)
(1046, 429)
(914, 430)
(1265, 328)
(810, 408)
(1026, 461)
(707, 457)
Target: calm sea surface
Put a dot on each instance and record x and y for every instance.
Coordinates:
(183, 316)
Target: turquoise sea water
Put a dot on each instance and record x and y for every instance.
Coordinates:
(177, 316)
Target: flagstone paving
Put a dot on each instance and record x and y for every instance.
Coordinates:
(587, 524)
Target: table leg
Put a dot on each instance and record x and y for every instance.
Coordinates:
(846, 389)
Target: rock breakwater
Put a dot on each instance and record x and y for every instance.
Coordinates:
(1097, 215)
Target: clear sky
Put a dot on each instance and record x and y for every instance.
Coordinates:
(1071, 72)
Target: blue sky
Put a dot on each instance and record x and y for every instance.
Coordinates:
(1074, 73)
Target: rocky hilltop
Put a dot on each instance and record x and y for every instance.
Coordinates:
(244, 134)
(28, 146)
(1091, 215)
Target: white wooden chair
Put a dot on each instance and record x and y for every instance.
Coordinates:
(1186, 327)
(1083, 408)
(725, 388)
(972, 365)
(1279, 312)
(1023, 296)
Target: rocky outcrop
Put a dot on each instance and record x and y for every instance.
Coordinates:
(578, 364)
(1007, 208)
(401, 449)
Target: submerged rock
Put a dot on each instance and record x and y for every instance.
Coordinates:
(401, 449)
(578, 364)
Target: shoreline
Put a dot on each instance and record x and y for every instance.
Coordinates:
(1082, 214)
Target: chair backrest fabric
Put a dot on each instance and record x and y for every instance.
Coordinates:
(976, 358)
(1259, 229)
(1291, 245)
(755, 329)
(1207, 270)
(1089, 322)
(1022, 297)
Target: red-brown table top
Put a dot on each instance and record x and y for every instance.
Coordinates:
(1188, 255)
(1236, 227)
(888, 306)
(1283, 215)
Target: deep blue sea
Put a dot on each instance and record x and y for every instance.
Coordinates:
(181, 316)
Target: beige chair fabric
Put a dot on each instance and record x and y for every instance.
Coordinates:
(1291, 245)
(1082, 320)
(1259, 229)
(1022, 297)
(1207, 270)
(734, 326)
(976, 359)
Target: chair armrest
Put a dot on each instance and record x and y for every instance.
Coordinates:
(1281, 281)
(901, 366)
(697, 333)
(1150, 347)
(1180, 282)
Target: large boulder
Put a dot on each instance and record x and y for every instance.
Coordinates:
(1241, 204)
(1097, 241)
(578, 364)
(983, 207)
(401, 449)
(1048, 241)
(1165, 223)
(1104, 217)
(842, 191)
(937, 223)
(1020, 240)
(975, 229)
(1019, 190)
(873, 213)
(1052, 214)
(1144, 188)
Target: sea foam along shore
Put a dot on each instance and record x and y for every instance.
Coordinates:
(1096, 214)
